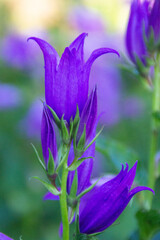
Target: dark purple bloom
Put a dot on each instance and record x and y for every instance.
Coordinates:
(10, 95)
(154, 19)
(4, 237)
(136, 29)
(67, 79)
(48, 138)
(100, 207)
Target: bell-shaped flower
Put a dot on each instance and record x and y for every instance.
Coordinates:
(136, 30)
(100, 207)
(67, 78)
(4, 237)
(48, 138)
(154, 19)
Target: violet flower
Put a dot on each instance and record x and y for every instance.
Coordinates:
(11, 96)
(4, 237)
(67, 79)
(137, 27)
(100, 207)
(154, 19)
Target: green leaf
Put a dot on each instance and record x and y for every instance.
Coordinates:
(38, 157)
(94, 139)
(87, 189)
(50, 166)
(156, 115)
(74, 186)
(49, 186)
(116, 152)
(56, 118)
(77, 163)
(148, 222)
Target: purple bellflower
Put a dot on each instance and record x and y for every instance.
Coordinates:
(4, 237)
(67, 78)
(109, 200)
(154, 19)
(66, 86)
(137, 27)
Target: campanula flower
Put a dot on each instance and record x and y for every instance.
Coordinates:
(154, 19)
(109, 200)
(67, 78)
(4, 237)
(136, 29)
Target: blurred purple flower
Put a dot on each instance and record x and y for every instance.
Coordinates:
(133, 107)
(137, 27)
(84, 19)
(4, 237)
(10, 96)
(31, 124)
(154, 19)
(67, 79)
(109, 199)
(16, 53)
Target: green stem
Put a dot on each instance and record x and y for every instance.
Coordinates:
(154, 131)
(63, 201)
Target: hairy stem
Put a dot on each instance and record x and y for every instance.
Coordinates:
(154, 131)
(63, 200)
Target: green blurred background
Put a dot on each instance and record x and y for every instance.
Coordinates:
(124, 99)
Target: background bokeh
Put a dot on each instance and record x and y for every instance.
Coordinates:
(123, 99)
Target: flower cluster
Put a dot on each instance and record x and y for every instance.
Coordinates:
(143, 30)
(72, 109)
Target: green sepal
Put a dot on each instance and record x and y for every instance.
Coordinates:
(56, 118)
(87, 189)
(94, 139)
(77, 163)
(150, 41)
(49, 186)
(61, 162)
(81, 236)
(74, 186)
(38, 157)
(50, 166)
(64, 131)
(76, 119)
(142, 69)
(82, 141)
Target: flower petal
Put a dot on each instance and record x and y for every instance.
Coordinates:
(51, 59)
(87, 67)
(50, 196)
(48, 138)
(78, 44)
(4, 237)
